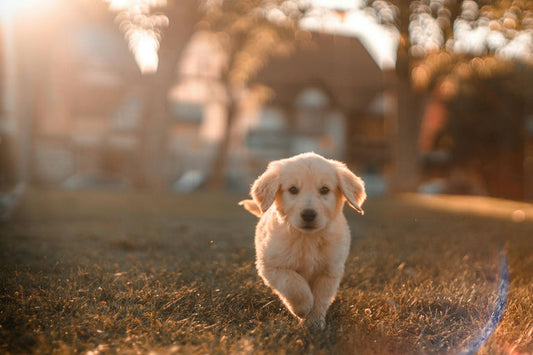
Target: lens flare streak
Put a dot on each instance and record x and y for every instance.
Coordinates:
(497, 313)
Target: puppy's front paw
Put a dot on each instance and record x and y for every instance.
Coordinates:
(299, 300)
(315, 322)
(302, 307)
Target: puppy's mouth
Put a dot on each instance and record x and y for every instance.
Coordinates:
(308, 227)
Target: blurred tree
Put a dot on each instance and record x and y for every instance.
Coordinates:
(422, 27)
(486, 125)
(484, 81)
(250, 31)
(182, 16)
(165, 27)
(470, 28)
(487, 100)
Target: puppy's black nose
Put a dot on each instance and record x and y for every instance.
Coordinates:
(308, 215)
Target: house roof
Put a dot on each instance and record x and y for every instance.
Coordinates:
(339, 65)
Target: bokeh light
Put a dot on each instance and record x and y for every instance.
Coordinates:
(142, 29)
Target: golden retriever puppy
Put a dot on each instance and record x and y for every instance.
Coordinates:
(302, 238)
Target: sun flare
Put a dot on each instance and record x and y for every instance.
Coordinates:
(141, 29)
(12, 8)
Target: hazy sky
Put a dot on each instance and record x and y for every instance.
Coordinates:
(381, 42)
(473, 33)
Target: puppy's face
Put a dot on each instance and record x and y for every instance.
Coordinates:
(308, 190)
(308, 195)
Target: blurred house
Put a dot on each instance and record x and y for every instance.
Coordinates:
(328, 97)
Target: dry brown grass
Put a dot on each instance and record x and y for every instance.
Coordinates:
(134, 273)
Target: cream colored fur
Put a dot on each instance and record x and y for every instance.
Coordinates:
(301, 260)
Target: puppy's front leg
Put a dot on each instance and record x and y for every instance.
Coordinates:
(292, 288)
(324, 288)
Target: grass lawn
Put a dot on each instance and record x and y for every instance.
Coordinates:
(97, 272)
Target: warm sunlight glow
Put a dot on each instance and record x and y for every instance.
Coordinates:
(517, 212)
(144, 46)
(14, 8)
(474, 31)
(142, 30)
(380, 41)
(128, 4)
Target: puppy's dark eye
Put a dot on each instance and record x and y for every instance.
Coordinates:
(324, 190)
(293, 190)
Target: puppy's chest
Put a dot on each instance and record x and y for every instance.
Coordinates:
(309, 257)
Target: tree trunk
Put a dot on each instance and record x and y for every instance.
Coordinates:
(153, 132)
(528, 139)
(218, 177)
(217, 180)
(153, 135)
(405, 125)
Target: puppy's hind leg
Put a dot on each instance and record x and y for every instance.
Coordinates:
(292, 289)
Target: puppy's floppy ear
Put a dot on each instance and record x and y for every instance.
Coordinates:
(265, 187)
(352, 186)
(251, 206)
